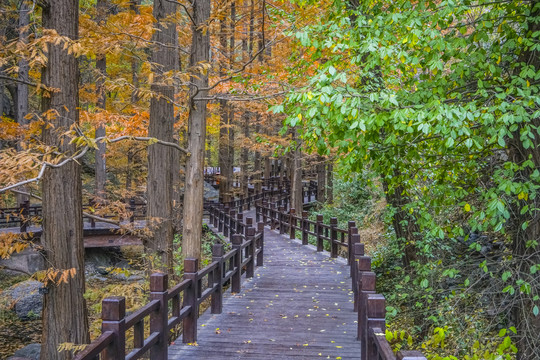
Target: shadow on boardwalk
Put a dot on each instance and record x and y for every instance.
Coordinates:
(299, 305)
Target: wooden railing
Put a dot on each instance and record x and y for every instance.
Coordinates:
(371, 307)
(183, 300)
(24, 215)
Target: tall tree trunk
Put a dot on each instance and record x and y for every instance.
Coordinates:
(160, 186)
(330, 182)
(297, 196)
(245, 156)
(404, 223)
(101, 67)
(231, 53)
(22, 89)
(257, 162)
(64, 308)
(193, 198)
(224, 159)
(321, 180)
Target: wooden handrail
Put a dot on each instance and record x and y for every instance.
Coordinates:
(369, 305)
(185, 297)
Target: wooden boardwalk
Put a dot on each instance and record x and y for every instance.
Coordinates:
(299, 305)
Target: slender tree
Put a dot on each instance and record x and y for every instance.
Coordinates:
(193, 197)
(160, 157)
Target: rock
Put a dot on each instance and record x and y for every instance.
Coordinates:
(29, 352)
(27, 300)
(210, 194)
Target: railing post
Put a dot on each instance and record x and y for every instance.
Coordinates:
(257, 211)
(113, 313)
(305, 228)
(159, 319)
(292, 223)
(191, 296)
(356, 268)
(236, 277)
(239, 224)
(350, 245)
(260, 255)
(273, 216)
(376, 313)
(319, 228)
(333, 237)
(217, 295)
(232, 221)
(264, 211)
(366, 286)
(281, 209)
(250, 267)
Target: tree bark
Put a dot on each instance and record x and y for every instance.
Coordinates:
(245, 156)
(22, 89)
(297, 196)
(101, 67)
(193, 198)
(161, 126)
(64, 307)
(321, 180)
(330, 182)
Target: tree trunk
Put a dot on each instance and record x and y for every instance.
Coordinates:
(321, 180)
(245, 156)
(22, 89)
(330, 182)
(64, 308)
(160, 157)
(101, 67)
(257, 162)
(193, 198)
(224, 159)
(405, 226)
(297, 196)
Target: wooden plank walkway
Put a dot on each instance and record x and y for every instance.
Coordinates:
(299, 305)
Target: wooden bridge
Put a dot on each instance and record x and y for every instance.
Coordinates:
(25, 219)
(296, 300)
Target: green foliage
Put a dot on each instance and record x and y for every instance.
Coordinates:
(441, 100)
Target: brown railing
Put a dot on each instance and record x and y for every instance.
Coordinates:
(183, 300)
(371, 307)
(23, 215)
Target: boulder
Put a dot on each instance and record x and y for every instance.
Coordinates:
(26, 299)
(29, 352)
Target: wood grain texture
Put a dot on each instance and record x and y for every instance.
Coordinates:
(298, 305)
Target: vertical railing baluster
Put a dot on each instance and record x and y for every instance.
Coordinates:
(236, 282)
(375, 318)
(319, 231)
(260, 255)
(250, 237)
(333, 238)
(281, 214)
(113, 313)
(350, 245)
(217, 295)
(191, 297)
(159, 319)
(292, 223)
(305, 228)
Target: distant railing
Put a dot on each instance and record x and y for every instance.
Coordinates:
(371, 307)
(183, 300)
(24, 215)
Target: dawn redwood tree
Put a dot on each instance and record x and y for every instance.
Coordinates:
(64, 308)
(101, 67)
(160, 157)
(194, 185)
